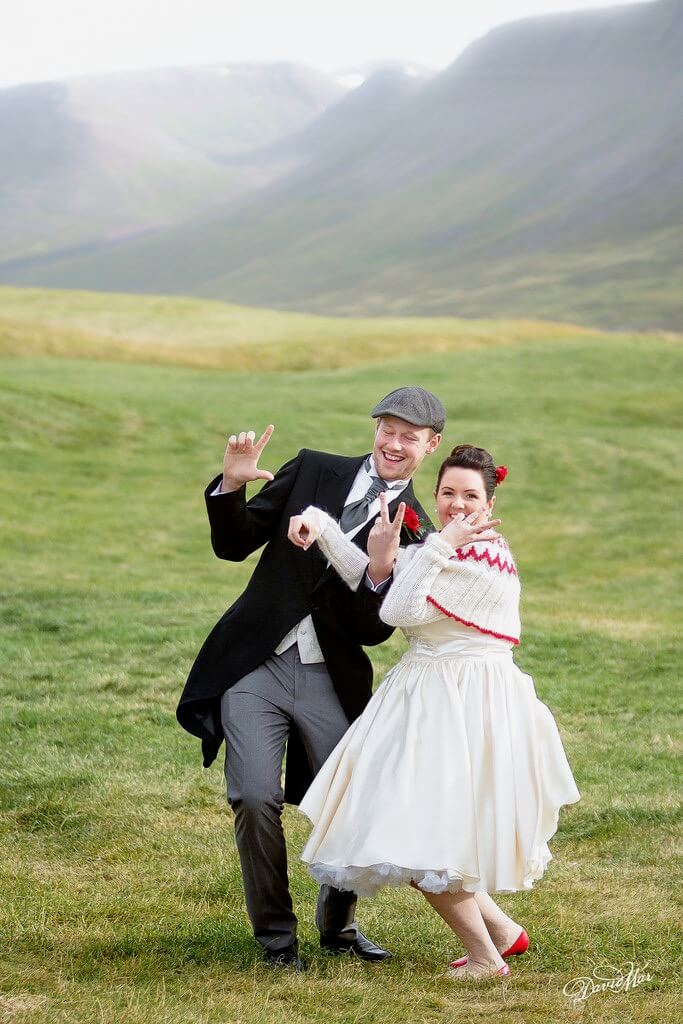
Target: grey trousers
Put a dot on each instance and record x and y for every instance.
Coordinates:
(257, 714)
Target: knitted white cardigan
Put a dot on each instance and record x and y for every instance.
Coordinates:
(477, 585)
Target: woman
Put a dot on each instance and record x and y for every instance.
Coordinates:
(452, 778)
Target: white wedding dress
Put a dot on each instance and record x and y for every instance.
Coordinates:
(453, 776)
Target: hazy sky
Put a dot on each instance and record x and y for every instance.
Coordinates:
(45, 39)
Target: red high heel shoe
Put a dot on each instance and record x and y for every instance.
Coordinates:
(519, 946)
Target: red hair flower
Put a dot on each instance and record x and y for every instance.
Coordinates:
(501, 473)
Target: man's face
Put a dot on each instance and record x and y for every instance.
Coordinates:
(400, 447)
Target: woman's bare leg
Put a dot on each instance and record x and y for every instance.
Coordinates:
(502, 929)
(461, 913)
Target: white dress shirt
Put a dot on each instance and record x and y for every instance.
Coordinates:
(303, 634)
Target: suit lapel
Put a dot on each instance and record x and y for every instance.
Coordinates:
(335, 484)
(407, 495)
(412, 502)
(333, 489)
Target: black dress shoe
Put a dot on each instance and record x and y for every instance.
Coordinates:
(361, 947)
(287, 957)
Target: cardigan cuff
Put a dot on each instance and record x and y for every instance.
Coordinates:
(441, 550)
(348, 559)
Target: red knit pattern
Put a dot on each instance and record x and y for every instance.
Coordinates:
(489, 632)
(501, 564)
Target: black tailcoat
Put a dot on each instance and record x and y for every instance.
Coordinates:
(287, 585)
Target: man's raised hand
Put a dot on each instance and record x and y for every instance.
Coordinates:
(384, 540)
(240, 464)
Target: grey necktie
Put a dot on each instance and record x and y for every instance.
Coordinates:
(356, 513)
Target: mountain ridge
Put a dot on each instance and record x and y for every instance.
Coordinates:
(480, 193)
(103, 156)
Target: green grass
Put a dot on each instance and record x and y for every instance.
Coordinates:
(121, 891)
(198, 332)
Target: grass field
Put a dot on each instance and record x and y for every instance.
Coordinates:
(121, 892)
(198, 332)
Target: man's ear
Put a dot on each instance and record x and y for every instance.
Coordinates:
(433, 444)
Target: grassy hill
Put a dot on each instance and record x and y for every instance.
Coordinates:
(538, 176)
(122, 896)
(199, 332)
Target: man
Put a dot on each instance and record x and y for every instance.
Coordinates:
(284, 666)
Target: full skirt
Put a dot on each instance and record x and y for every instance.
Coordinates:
(453, 778)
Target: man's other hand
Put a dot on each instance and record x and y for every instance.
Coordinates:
(240, 464)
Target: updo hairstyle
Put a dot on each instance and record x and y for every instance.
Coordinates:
(467, 456)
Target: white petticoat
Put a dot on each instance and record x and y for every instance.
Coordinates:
(453, 776)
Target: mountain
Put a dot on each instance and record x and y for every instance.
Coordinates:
(348, 127)
(539, 175)
(108, 156)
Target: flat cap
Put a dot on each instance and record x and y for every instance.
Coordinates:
(414, 405)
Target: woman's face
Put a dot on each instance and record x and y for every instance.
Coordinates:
(461, 491)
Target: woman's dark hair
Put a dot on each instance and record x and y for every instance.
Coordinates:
(466, 456)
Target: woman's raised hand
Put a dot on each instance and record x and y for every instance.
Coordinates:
(464, 529)
(240, 464)
(305, 529)
(384, 540)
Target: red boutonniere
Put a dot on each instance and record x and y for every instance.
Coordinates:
(412, 525)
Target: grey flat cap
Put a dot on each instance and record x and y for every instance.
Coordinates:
(414, 405)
